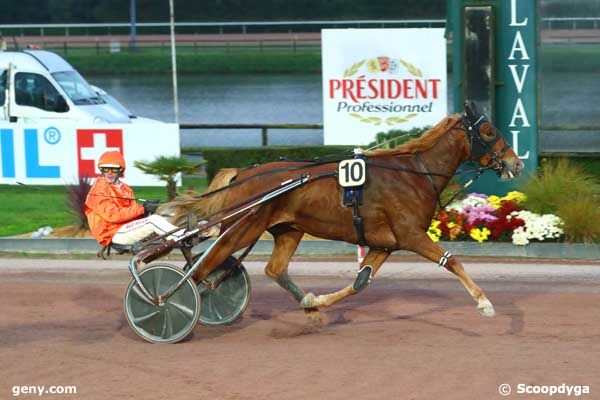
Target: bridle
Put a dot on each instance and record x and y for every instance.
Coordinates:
(483, 136)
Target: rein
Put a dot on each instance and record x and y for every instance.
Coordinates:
(319, 161)
(268, 172)
(425, 172)
(314, 162)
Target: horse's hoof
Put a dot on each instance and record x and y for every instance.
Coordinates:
(308, 301)
(486, 308)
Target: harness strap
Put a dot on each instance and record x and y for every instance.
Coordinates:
(358, 221)
(238, 182)
(435, 189)
(403, 169)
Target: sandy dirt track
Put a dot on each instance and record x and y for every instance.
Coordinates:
(399, 339)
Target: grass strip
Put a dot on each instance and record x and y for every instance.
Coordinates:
(253, 59)
(213, 62)
(28, 208)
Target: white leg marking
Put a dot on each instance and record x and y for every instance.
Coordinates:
(486, 308)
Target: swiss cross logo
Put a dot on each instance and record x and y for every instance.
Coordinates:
(91, 143)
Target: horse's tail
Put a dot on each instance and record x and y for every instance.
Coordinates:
(183, 205)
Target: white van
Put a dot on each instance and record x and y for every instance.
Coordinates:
(41, 84)
(54, 125)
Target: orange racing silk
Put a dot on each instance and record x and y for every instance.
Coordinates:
(108, 207)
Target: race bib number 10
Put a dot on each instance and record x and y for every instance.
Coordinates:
(352, 172)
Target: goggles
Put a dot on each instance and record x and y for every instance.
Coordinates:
(115, 170)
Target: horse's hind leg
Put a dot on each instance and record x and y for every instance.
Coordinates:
(435, 253)
(286, 243)
(367, 270)
(234, 240)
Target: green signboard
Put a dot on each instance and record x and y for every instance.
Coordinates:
(494, 53)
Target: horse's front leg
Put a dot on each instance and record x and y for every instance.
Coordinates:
(436, 253)
(367, 270)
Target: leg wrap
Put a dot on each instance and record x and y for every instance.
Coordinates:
(444, 259)
(363, 278)
(285, 282)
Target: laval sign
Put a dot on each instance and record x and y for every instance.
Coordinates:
(376, 80)
(497, 67)
(521, 94)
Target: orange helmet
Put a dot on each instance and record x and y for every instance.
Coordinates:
(111, 159)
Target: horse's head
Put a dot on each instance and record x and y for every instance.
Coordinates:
(488, 146)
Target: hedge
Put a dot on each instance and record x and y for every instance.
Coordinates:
(228, 157)
(217, 158)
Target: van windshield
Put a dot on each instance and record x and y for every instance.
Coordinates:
(77, 88)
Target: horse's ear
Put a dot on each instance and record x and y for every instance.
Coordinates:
(471, 109)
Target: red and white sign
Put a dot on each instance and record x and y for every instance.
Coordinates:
(92, 143)
(376, 80)
(58, 153)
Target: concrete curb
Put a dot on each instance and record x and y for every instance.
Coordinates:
(575, 251)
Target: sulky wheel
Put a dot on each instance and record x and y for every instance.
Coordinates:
(229, 299)
(171, 321)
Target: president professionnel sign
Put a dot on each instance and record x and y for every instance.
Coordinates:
(376, 80)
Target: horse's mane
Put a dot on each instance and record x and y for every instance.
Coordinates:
(421, 143)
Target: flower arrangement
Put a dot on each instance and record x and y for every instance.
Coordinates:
(481, 218)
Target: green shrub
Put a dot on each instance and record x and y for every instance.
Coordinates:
(557, 182)
(581, 218)
(565, 189)
(590, 165)
(217, 158)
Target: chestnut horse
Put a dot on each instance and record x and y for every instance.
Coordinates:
(402, 189)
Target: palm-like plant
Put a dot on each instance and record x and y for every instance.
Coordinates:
(167, 169)
(76, 196)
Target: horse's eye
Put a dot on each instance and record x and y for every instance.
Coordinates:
(487, 132)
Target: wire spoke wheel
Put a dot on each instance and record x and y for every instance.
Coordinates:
(227, 302)
(171, 321)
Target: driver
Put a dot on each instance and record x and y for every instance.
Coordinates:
(112, 212)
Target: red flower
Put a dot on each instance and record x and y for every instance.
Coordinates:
(508, 207)
(501, 228)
